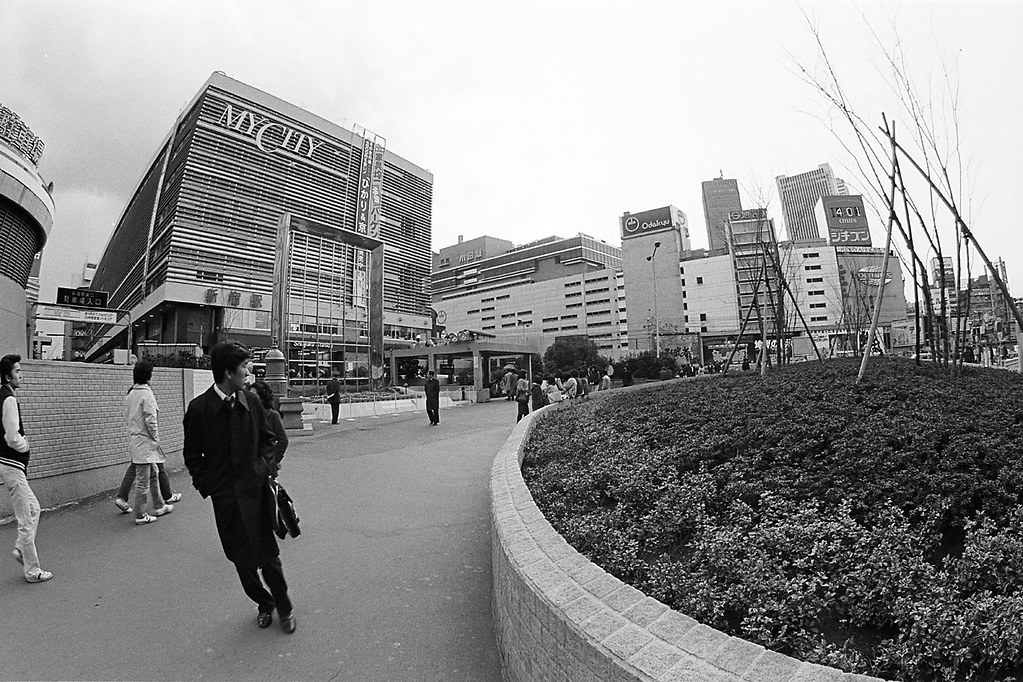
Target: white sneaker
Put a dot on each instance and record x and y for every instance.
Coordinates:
(165, 509)
(144, 520)
(122, 505)
(174, 498)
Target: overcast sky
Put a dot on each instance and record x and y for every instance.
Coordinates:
(536, 118)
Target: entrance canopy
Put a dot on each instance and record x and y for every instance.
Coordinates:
(480, 351)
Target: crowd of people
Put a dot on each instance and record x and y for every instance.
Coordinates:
(234, 441)
(555, 387)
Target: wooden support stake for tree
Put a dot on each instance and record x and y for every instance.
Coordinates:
(884, 262)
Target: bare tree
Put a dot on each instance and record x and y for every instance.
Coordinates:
(935, 155)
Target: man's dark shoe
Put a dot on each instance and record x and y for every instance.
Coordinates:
(288, 622)
(264, 619)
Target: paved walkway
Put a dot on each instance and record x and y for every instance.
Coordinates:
(391, 577)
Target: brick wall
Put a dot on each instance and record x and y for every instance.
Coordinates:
(558, 616)
(74, 418)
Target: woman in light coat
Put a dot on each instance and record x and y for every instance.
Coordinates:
(144, 444)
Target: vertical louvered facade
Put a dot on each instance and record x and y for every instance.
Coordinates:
(195, 250)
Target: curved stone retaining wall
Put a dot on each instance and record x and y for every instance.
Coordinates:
(559, 616)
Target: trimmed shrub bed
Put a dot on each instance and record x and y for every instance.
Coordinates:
(874, 528)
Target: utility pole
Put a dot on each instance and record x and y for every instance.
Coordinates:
(657, 324)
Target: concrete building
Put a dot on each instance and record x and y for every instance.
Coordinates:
(720, 198)
(260, 222)
(534, 293)
(26, 218)
(76, 334)
(652, 246)
(799, 195)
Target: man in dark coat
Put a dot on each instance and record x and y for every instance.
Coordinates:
(334, 397)
(432, 387)
(229, 451)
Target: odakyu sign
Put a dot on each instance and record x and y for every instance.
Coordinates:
(647, 222)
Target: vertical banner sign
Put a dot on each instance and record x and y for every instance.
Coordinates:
(360, 279)
(362, 213)
(376, 187)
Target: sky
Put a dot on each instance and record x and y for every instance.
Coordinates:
(536, 118)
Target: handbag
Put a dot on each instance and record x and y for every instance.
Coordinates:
(285, 518)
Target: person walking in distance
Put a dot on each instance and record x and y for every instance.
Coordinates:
(14, 455)
(144, 444)
(273, 418)
(522, 398)
(432, 387)
(334, 397)
(229, 452)
(128, 480)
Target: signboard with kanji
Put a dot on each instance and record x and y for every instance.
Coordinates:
(83, 298)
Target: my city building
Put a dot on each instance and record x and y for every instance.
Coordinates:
(534, 293)
(799, 195)
(260, 222)
(26, 218)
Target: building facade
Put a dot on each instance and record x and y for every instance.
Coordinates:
(720, 198)
(799, 195)
(26, 218)
(652, 245)
(534, 293)
(260, 222)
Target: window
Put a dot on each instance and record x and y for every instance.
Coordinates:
(703, 328)
(507, 315)
(569, 317)
(487, 300)
(574, 294)
(814, 280)
(686, 319)
(488, 328)
(549, 330)
(817, 292)
(820, 318)
(703, 317)
(524, 312)
(550, 319)
(486, 310)
(699, 280)
(505, 326)
(683, 281)
(572, 326)
(472, 312)
(811, 255)
(685, 306)
(501, 298)
(818, 305)
(684, 294)
(488, 318)
(573, 305)
(811, 267)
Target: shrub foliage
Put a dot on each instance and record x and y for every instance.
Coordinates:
(877, 528)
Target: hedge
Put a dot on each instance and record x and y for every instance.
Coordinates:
(877, 528)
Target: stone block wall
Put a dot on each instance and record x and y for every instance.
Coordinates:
(74, 419)
(558, 616)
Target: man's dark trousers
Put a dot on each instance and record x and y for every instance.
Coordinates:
(334, 409)
(433, 411)
(273, 574)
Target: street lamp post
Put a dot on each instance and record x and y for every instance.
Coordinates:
(657, 324)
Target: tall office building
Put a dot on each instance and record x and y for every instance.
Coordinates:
(720, 198)
(26, 217)
(799, 195)
(260, 222)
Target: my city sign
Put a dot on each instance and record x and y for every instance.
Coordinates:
(269, 135)
(638, 224)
